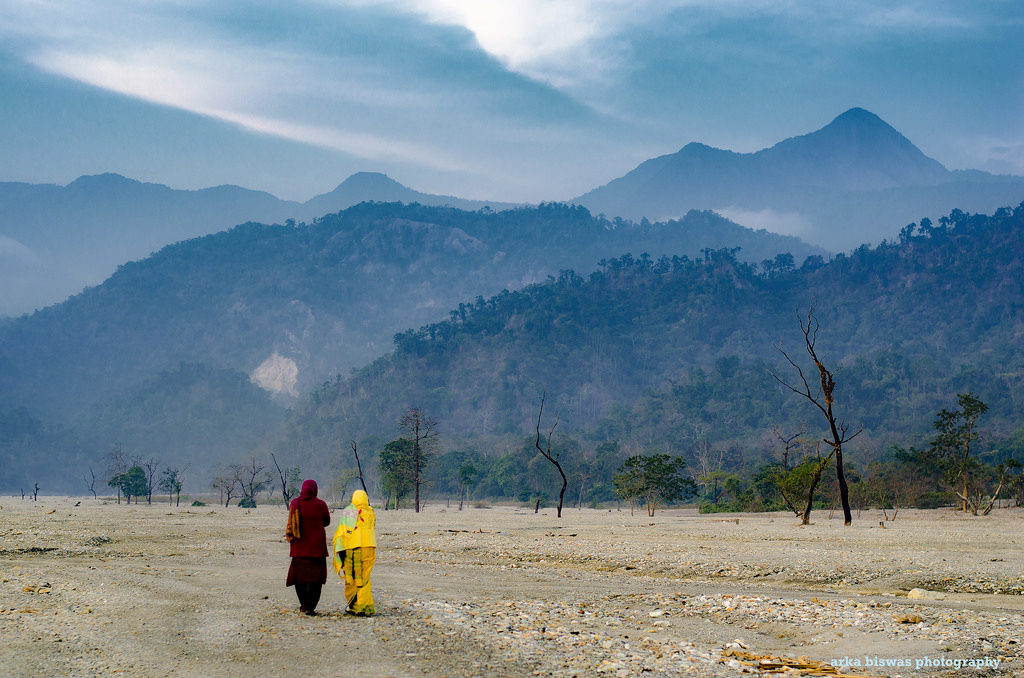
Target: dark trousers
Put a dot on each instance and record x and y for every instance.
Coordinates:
(309, 595)
(308, 576)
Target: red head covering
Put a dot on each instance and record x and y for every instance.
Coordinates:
(309, 489)
(313, 516)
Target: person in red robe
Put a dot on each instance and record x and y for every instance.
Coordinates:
(307, 518)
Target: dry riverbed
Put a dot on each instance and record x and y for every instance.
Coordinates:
(98, 589)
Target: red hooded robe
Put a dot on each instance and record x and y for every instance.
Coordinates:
(314, 516)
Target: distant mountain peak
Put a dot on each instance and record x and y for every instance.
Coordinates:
(857, 150)
(369, 180)
(857, 127)
(104, 179)
(857, 160)
(865, 128)
(858, 115)
(697, 147)
(379, 187)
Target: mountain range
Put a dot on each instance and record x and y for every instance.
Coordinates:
(855, 181)
(56, 240)
(344, 315)
(645, 353)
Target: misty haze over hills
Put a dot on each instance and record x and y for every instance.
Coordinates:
(857, 180)
(661, 356)
(194, 352)
(55, 240)
(176, 356)
(171, 352)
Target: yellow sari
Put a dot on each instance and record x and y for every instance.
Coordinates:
(355, 549)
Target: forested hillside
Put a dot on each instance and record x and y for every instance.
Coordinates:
(676, 354)
(56, 240)
(290, 305)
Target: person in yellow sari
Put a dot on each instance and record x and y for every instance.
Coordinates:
(355, 548)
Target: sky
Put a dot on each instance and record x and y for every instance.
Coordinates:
(511, 100)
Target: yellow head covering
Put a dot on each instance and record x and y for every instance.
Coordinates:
(356, 525)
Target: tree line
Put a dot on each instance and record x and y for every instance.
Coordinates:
(960, 465)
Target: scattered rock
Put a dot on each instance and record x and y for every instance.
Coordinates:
(925, 594)
(908, 618)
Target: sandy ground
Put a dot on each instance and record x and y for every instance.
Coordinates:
(101, 589)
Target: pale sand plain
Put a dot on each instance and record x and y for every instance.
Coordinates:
(103, 589)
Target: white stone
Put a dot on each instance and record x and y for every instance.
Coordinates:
(277, 374)
(925, 594)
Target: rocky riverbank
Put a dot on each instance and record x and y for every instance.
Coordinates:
(100, 588)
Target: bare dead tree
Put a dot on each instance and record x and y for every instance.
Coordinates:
(117, 463)
(707, 471)
(230, 483)
(289, 477)
(585, 475)
(977, 502)
(422, 432)
(90, 482)
(359, 466)
(823, 399)
(553, 458)
(789, 443)
(151, 466)
(35, 492)
(250, 479)
(888, 494)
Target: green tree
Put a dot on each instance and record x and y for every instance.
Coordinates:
(796, 478)
(957, 430)
(1015, 480)
(798, 485)
(656, 479)
(467, 477)
(395, 464)
(170, 482)
(131, 483)
(627, 488)
(117, 465)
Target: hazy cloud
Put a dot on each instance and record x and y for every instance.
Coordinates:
(185, 79)
(332, 98)
(1003, 159)
(482, 94)
(13, 250)
(783, 223)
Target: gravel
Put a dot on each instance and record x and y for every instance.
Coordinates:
(155, 590)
